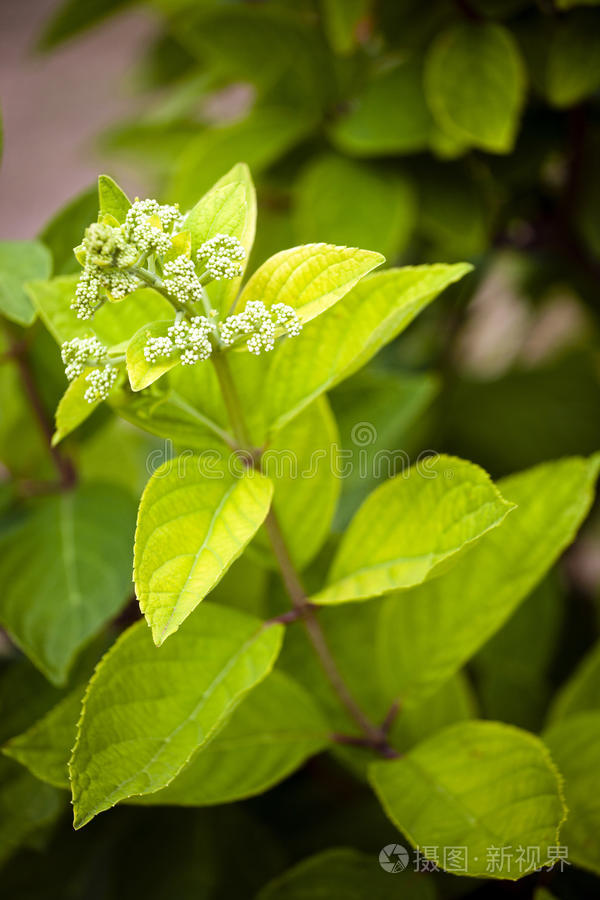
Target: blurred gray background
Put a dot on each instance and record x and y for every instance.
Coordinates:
(54, 106)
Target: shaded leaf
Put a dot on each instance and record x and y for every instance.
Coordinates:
(475, 785)
(59, 588)
(164, 704)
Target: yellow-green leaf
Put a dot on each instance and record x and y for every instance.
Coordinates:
(310, 278)
(476, 785)
(195, 518)
(163, 705)
(410, 525)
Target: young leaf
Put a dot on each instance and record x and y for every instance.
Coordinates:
(345, 874)
(228, 208)
(58, 590)
(112, 200)
(575, 747)
(475, 84)
(141, 372)
(475, 785)
(310, 278)
(194, 520)
(176, 699)
(410, 525)
(21, 261)
(349, 335)
(427, 634)
(73, 408)
(275, 729)
(65, 228)
(113, 324)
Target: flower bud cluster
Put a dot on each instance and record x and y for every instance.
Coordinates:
(111, 249)
(80, 354)
(107, 256)
(150, 226)
(181, 281)
(190, 338)
(100, 383)
(260, 325)
(221, 257)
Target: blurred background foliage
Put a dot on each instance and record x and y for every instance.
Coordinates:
(437, 131)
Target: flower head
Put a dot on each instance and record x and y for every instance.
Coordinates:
(260, 325)
(100, 382)
(190, 338)
(222, 256)
(150, 226)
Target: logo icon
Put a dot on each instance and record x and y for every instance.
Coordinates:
(393, 858)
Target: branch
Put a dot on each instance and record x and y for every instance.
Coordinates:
(373, 737)
(64, 467)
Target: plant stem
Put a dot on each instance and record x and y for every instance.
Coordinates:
(64, 467)
(373, 736)
(158, 284)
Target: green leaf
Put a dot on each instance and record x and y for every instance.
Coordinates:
(389, 117)
(575, 747)
(475, 785)
(26, 805)
(310, 278)
(569, 4)
(195, 518)
(73, 17)
(141, 372)
(113, 201)
(273, 731)
(427, 634)
(349, 335)
(302, 463)
(45, 748)
(176, 700)
(410, 525)
(66, 572)
(276, 728)
(341, 21)
(345, 874)
(379, 414)
(113, 324)
(73, 408)
(475, 84)
(330, 191)
(452, 213)
(573, 60)
(228, 208)
(511, 669)
(259, 139)
(581, 693)
(21, 261)
(65, 230)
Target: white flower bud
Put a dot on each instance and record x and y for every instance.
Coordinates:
(222, 256)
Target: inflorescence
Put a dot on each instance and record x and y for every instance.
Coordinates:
(118, 259)
(88, 353)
